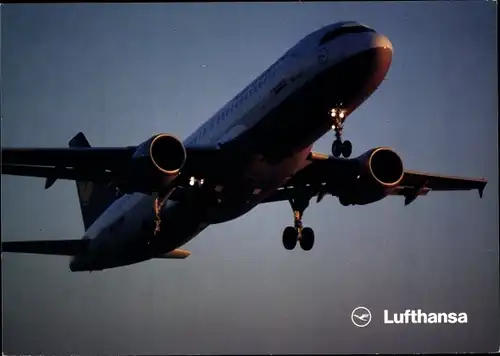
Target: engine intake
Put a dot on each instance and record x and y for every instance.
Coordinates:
(156, 163)
(385, 166)
(167, 153)
(380, 170)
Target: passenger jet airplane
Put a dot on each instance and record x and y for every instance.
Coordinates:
(146, 201)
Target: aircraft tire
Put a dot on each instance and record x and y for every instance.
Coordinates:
(290, 238)
(307, 240)
(346, 148)
(336, 148)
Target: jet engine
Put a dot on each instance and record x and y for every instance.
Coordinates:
(156, 163)
(379, 172)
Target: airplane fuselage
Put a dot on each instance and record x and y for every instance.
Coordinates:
(272, 125)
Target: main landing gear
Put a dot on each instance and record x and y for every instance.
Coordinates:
(292, 234)
(338, 147)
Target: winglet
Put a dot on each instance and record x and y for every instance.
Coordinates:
(481, 190)
(481, 186)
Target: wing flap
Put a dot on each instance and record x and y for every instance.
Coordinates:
(47, 247)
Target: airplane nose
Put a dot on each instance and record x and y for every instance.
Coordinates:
(382, 56)
(383, 51)
(381, 41)
(363, 68)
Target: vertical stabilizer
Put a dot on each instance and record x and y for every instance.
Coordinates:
(94, 198)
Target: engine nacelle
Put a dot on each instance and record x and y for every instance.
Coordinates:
(380, 170)
(156, 163)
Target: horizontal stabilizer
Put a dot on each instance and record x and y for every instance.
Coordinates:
(175, 254)
(47, 247)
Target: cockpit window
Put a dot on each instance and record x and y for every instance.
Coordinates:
(342, 31)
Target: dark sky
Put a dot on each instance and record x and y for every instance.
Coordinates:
(121, 73)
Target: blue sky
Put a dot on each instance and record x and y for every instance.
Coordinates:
(121, 73)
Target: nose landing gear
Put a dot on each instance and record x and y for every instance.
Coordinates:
(340, 147)
(292, 234)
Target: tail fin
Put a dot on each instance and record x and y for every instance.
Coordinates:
(94, 198)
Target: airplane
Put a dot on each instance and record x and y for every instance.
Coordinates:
(146, 201)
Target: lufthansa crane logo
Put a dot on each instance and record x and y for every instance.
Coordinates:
(361, 317)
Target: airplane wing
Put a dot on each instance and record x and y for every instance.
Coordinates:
(94, 164)
(325, 171)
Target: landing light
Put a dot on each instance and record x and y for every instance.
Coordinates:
(333, 112)
(341, 114)
(191, 181)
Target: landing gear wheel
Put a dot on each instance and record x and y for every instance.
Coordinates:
(307, 239)
(341, 148)
(290, 235)
(346, 148)
(336, 148)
